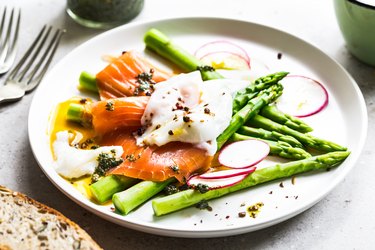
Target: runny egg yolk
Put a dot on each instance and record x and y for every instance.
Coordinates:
(59, 122)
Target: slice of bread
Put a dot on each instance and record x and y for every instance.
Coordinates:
(28, 224)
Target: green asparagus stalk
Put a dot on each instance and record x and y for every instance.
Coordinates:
(157, 41)
(271, 112)
(306, 139)
(75, 113)
(280, 148)
(87, 82)
(242, 97)
(136, 195)
(248, 111)
(103, 189)
(187, 198)
(269, 135)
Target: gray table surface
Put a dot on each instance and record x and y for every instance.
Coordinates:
(345, 219)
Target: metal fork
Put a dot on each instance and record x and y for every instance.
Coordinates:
(8, 39)
(31, 68)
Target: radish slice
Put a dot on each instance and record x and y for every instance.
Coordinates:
(215, 183)
(225, 60)
(227, 173)
(222, 46)
(243, 154)
(302, 96)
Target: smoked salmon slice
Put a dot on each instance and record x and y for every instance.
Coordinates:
(114, 114)
(175, 159)
(128, 75)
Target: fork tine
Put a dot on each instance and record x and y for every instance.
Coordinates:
(45, 60)
(5, 44)
(34, 56)
(11, 53)
(14, 72)
(2, 23)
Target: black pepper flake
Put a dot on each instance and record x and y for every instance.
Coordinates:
(227, 217)
(296, 197)
(158, 126)
(186, 118)
(83, 101)
(241, 214)
(152, 71)
(109, 106)
(112, 209)
(201, 221)
(179, 106)
(279, 55)
(270, 192)
(286, 196)
(140, 131)
(281, 185)
(186, 109)
(170, 132)
(207, 110)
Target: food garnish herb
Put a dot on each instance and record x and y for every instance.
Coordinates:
(145, 82)
(109, 106)
(202, 188)
(170, 189)
(205, 68)
(106, 161)
(132, 158)
(203, 204)
(175, 168)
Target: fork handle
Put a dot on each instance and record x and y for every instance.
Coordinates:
(11, 92)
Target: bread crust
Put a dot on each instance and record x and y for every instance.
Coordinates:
(28, 224)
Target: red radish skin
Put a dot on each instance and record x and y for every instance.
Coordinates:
(216, 183)
(312, 94)
(234, 61)
(243, 154)
(227, 173)
(223, 46)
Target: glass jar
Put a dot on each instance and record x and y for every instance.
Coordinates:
(103, 13)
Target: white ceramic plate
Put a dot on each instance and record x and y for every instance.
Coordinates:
(343, 121)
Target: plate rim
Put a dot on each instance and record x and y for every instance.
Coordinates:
(195, 232)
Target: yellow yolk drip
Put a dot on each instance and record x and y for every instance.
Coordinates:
(58, 122)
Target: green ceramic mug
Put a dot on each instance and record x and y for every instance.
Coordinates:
(356, 19)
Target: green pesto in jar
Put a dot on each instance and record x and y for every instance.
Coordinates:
(103, 13)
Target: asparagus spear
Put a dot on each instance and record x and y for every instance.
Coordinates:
(155, 40)
(103, 189)
(242, 97)
(249, 110)
(280, 148)
(271, 112)
(269, 135)
(136, 195)
(87, 82)
(187, 198)
(307, 140)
